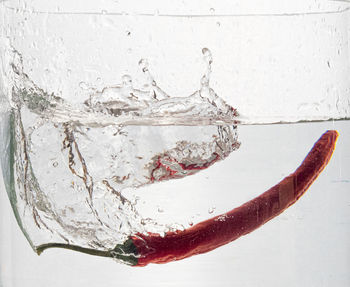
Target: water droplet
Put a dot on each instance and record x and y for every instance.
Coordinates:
(208, 59)
(205, 51)
(212, 10)
(104, 12)
(190, 223)
(204, 81)
(55, 164)
(218, 24)
(207, 55)
(143, 63)
(160, 210)
(128, 33)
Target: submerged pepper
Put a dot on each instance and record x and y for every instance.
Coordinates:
(142, 249)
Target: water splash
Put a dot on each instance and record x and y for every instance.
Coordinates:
(72, 162)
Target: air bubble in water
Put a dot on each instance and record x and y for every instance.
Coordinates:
(98, 80)
(127, 81)
(137, 198)
(83, 86)
(211, 210)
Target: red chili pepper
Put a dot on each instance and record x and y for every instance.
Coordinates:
(141, 249)
(217, 231)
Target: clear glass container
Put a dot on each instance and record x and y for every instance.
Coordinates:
(123, 118)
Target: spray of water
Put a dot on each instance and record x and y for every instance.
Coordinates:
(70, 163)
